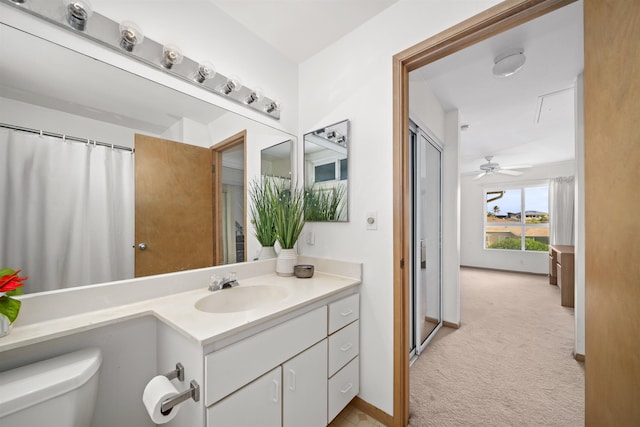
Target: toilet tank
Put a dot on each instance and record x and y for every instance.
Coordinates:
(57, 392)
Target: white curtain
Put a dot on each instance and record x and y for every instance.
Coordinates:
(66, 215)
(561, 206)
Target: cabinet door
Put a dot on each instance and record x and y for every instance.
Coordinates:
(305, 388)
(256, 404)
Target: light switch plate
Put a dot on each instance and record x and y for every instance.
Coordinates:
(372, 220)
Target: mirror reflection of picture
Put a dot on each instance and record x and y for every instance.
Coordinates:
(326, 173)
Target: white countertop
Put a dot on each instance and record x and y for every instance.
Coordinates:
(179, 312)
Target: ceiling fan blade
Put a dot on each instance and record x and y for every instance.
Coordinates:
(480, 175)
(516, 167)
(509, 172)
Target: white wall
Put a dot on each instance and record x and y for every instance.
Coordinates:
(473, 212)
(36, 117)
(352, 79)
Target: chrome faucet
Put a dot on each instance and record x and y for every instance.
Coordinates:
(216, 282)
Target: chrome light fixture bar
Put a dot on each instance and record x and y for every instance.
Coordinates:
(127, 39)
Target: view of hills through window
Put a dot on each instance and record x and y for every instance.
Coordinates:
(517, 219)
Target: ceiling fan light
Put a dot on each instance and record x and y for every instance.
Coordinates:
(509, 63)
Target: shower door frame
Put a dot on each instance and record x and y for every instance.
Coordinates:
(417, 344)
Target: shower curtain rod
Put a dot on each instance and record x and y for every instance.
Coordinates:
(66, 137)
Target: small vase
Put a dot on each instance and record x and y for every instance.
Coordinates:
(5, 325)
(267, 252)
(287, 258)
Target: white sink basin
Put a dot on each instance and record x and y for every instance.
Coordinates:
(241, 298)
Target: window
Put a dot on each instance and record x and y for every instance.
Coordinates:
(517, 218)
(334, 171)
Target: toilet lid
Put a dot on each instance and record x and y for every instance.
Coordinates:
(32, 384)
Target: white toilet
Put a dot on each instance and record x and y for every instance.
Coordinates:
(58, 392)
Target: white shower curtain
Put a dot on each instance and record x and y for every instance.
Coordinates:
(561, 206)
(66, 215)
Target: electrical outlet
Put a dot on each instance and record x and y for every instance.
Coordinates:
(311, 238)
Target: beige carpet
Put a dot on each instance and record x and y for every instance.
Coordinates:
(510, 363)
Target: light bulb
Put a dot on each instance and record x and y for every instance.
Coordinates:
(273, 106)
(205, 71)
(233, 84)
(130, 35)
(171, 55)
(78, 13)
(254, 96)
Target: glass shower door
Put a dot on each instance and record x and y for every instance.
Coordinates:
(426, 254)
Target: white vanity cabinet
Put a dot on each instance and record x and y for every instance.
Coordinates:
(304, 392)
(344, 363)
(257, 404)
(280, 376)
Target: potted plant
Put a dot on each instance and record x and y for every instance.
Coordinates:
(288, 203)
(325, 204)
(10, 285)
(261, 191)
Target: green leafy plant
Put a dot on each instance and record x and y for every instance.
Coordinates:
(288, 206)
(10, 285)
(514, 243)
(324, 204)
(261, 192)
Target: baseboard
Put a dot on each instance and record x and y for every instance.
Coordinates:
(503, 270)
(579, 357)
(372, 411)
(450, 325)
(431, 320)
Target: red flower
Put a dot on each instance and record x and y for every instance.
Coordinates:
(10, 282)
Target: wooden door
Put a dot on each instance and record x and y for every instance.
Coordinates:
(612, 174)
(173, 206)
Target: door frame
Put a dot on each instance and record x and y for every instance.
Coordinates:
(233, 141)
(495, 20)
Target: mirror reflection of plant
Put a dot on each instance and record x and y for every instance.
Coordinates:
(324, 204)
(288, 203)
(261, 192)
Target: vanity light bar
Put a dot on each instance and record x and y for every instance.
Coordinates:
(166, 58)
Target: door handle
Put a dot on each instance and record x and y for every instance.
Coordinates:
(423, 254)
(276, 391)
(292, 384)
(142, 246)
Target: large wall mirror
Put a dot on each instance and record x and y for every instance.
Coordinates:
(326, 173)
(276, 160)
(70, 210)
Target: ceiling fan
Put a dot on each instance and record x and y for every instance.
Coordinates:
(492, 167)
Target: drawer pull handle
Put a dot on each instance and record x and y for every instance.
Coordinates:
(347, 388)
(346, 347)
(292, 385)
(346, 313)
(276, 391)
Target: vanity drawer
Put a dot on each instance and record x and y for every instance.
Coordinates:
(344, 345)
(343, 387)
(343, 312)
(230, 368)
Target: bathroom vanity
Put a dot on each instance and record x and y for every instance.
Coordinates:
(283, 351)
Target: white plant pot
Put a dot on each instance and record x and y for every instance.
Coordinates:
(287, 258)
(5, 325)
(267, 252)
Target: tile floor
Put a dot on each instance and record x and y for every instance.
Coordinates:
(351, 417)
